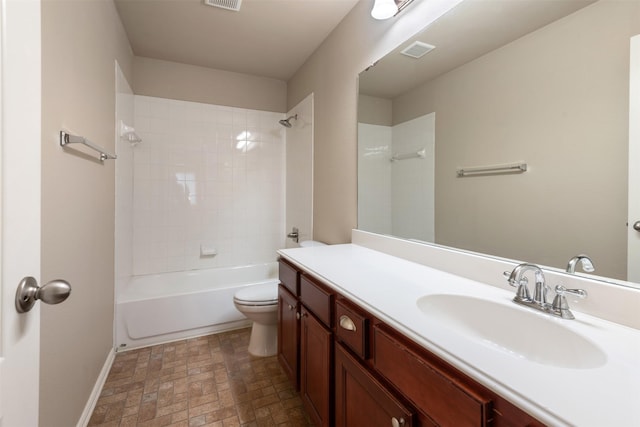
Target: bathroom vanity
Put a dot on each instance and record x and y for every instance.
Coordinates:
(361, 335)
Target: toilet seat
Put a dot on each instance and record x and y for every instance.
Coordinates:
(258, 295)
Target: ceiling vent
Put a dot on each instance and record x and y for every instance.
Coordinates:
(417, 49)
(225, 4)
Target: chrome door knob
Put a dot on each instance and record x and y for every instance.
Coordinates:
(28, 292)
(636, 225)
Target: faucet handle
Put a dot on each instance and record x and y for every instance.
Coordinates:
(522, 293)
(580, 293)
(511, 279)
(560, 304)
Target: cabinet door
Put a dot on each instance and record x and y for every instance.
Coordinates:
(361, 401)
(288, 335)
(315, 368)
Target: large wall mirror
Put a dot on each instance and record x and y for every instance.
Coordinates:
(531, 100)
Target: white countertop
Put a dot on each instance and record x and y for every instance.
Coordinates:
(389, 287)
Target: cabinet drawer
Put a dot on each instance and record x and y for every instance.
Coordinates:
(316, 299)
(352, 329)
(445, 399)
(289, 277)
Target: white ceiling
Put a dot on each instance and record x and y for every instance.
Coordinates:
(268, 38)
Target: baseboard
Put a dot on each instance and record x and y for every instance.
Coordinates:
(97, 389)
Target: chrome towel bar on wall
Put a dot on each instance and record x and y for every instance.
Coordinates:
(420, 154)
(493, 169)
(66, 139)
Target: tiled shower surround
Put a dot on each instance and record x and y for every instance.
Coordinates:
(397, 197)
(207, 179)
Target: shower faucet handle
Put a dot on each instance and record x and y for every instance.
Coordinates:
(294, 234)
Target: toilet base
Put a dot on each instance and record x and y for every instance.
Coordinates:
(264, 340)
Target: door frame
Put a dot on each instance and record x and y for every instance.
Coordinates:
(20, 94)
(633, 236)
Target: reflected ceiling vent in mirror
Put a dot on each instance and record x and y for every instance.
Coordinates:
(417, 49)
(225, 4)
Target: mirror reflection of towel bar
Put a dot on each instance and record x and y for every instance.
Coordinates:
(421, 154)
(66, 138)
(479, 170)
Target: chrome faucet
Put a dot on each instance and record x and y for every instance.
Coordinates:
(559, 307)
(584, 260)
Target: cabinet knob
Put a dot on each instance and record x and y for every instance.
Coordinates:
(290, 307)
(298, 315)
(397, 422)
(347, 323)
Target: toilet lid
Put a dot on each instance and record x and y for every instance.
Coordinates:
(263, 294)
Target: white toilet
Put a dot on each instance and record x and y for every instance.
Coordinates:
(260, 304)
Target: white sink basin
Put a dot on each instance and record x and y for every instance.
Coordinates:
(516, 330)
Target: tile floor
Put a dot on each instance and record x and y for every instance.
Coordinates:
(205, 381)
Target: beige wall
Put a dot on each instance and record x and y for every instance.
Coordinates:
(80, 41)
(557, 99)
(164, 79)
(331, 74)
(375, 111)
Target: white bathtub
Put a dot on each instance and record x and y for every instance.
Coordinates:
(159, 308)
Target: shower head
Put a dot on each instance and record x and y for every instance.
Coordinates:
(286, 123)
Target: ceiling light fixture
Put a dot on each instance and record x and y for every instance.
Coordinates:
(225, 4)
(385, 9)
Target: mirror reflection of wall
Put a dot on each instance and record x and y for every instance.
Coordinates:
(557, 99)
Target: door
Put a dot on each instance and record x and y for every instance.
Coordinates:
(20, 197)
(633, 240)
